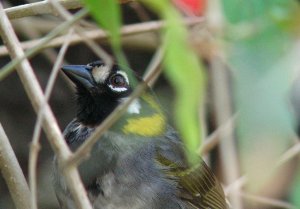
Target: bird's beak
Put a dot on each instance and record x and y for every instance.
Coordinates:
(79, 74)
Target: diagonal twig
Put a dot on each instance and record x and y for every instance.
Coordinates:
(13, 174)
(155, 63)
(50, 125)
(222, 104)
(35, 146)
(213, 139)
(39, 8)
(42, 8)
(267, 201)
(7, 69)
(99, 34)
(80, 31)
(284, 158)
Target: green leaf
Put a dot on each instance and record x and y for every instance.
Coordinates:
(185, 72)
(108, 16)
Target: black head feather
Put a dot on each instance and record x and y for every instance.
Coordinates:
(99, 90)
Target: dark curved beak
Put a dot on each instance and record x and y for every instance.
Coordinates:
(80, 75)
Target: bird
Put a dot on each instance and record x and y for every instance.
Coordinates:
(140, 162)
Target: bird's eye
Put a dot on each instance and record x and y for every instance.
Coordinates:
(117, 80)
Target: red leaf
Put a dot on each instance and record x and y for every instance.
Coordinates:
(194, 7)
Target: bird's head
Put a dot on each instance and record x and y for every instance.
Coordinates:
(98, 80)
(100, 89)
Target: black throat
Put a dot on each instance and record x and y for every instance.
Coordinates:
(92, 111)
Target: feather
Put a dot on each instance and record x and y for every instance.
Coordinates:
(197, 185)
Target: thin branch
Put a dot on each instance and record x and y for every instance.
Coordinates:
(154, 64)
(284, 158)
(223, 112)
(42, 25)
(25, 27)
(80, 31)
(42, 8)
(84, 150)
(291, 153)
(235, 186)
(267, 201)
(13, 174)
(35, 146)
(99, 34)
(10, 67)
(39, 8)
(140, 11)
(223, 106)
(213, 139)
(36, 96)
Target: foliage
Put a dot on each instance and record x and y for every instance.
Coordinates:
(185, 72)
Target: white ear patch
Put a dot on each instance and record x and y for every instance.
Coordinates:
(100, 73)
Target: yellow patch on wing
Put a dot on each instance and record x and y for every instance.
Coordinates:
(153, 125)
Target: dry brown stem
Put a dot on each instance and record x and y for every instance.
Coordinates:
(13, 174)
(99, 34)
(37, 98)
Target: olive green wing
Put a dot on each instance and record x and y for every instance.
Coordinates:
(200, 188)
(197, 185)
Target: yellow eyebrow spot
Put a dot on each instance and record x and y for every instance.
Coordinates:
(145, 126)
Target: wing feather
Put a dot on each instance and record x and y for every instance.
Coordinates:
(197, 185)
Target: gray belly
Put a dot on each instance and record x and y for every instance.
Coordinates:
(132, 181)
(117, 195)
(135, 184)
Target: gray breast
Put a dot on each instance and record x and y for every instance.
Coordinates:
(122, 174)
